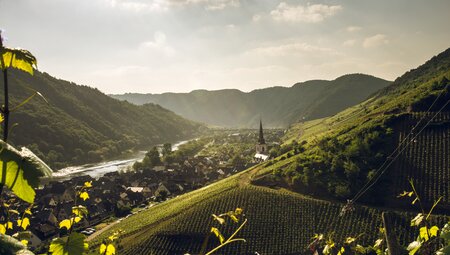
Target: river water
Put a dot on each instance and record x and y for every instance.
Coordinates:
(99, 169)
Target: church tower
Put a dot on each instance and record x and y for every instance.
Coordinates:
(261, 147)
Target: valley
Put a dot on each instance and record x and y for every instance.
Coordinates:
(224, 127)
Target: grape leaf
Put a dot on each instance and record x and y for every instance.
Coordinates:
(107, 250)
(84, 195)
(23, 223)
(17, 58)
(20, 171)
(218, 234)
(73, 245)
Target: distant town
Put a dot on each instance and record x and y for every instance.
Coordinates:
(119, 194)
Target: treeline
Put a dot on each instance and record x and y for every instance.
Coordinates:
(164, 155)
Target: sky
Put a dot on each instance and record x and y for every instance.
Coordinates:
(156, 46)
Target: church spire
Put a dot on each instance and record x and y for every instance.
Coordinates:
(261, 133)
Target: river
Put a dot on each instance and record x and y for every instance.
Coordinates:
(99, 169)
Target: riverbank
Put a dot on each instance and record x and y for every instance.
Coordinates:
(98, 170)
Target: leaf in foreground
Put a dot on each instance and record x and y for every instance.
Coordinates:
(11, 246)
(17, 58)
(71, 245)
(20, 171)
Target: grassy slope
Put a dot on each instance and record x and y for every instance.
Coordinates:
(280, 221)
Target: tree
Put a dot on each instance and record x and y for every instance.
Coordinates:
(153, 156)
(167, 149)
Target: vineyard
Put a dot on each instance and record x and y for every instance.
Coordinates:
(426, 160)
(280, 222)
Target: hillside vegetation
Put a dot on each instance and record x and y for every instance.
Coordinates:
(340, 151)
(278, 106)
(80, 124)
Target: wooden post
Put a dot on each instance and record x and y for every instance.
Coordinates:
(391, 239)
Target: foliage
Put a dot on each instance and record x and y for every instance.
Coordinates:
(21, 171)
(235, 216)
(17, 58)
(428, 233)
(80, 124)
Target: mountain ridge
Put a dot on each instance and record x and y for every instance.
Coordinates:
(278, 106)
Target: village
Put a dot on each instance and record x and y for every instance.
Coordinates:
(121, 194)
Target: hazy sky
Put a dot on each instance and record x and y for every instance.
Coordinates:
(180, 45)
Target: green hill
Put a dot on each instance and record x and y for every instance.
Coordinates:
(80, 124)
(340, 151)
(278, 106)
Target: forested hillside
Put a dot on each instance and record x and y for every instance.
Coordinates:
(329, 159)
(340, 154)
(278, 106)
(80, 124)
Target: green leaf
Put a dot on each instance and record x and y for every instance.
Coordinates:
(12, 246)
(102, 248)
(17, 58)
(110, 250)
(80, 211)
(417, 220)
(328, 248)
(414, 247)
(423, 233)
(444, 250)
(107, 250)
(72, 245)
(406, 193)
(84, 195)
(216, 232)
(378, 243)
(445, 233)
(65, 224)
(350, 240)
(219, 219)
(20, 171)
(23, 223)
(360, 249)
(238, 211)
(88, 184)
(433, 231)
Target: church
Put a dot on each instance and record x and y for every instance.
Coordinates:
(262, 151)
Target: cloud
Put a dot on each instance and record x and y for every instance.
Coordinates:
(349, 43)
(165, 5)
(158, 44)
(375, 41)
(257, 17)
(290, 49)
(353, 28)
(309, 14)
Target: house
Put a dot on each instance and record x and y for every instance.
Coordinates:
(162, 188)
(34, 241)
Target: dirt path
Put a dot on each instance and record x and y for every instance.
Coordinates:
(96, 233)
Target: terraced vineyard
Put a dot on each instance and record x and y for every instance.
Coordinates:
(420, 160)
(279, 222)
